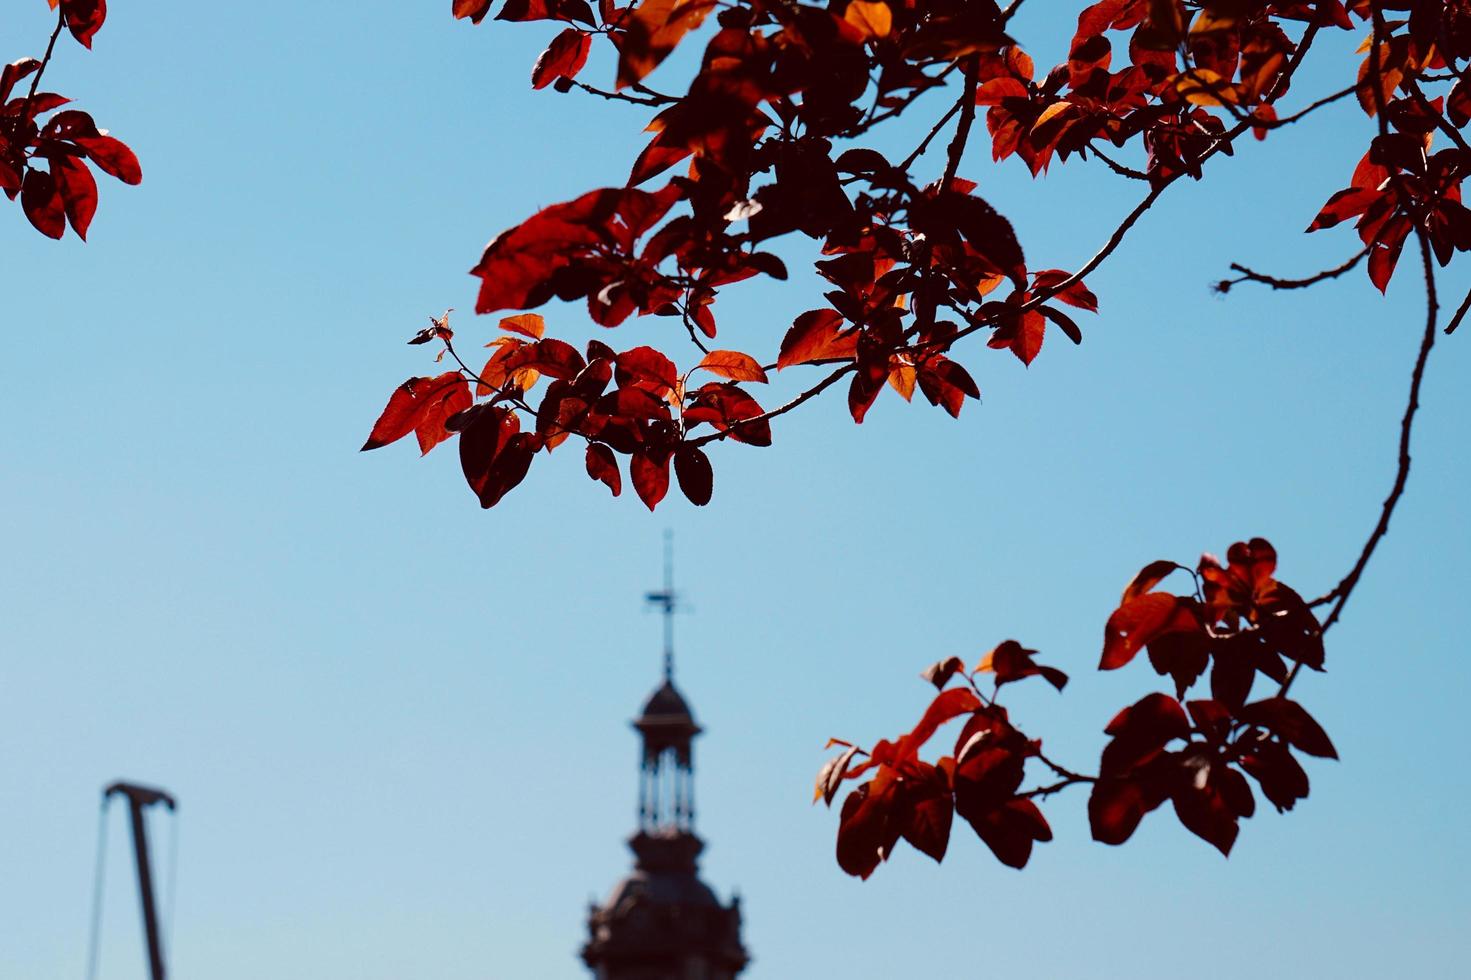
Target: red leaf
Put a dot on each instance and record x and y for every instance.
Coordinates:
(929, 809)
(655, 28)
(552, 357)
(1288, 720)
(421, 406)
(1010, 830)
(1116, 806)
(42, 203)
(644, 364)
(603, 465)
(1064, 322)
(473, 9)
(864, 389)
(84, 18)
(517, 268)
(1140, 733)
(78, 191)
(112, 156)
(940, 672)
(1278, 773)
(944, 382)
(946, 705)
(1139, 621)
(564, 58)
(44, 102)
(1204, 805)
(867, 830)
(1384, 253)
(1023, 335)
(696, 478)
(1154, 717)
(650, 477)
(70, 125)
(1344, 204)
(733, 365)
(1149, 576)
(494, 453)
(815, 337)
(14, 72)
(1075, 295)
(1010, 661)
(730, 409)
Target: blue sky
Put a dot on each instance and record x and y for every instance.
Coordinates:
(397, 724)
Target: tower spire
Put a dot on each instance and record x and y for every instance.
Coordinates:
(667, 601)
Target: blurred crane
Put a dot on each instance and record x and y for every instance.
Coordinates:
(140, 798)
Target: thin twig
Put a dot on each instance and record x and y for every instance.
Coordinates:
(1249, 275)
(1341, 593)
(1460, 314)
(1117, 167)
(967, 116)
(655, 100)
(812, 392)
(25, 113)
(934, 131)
(1309, 108)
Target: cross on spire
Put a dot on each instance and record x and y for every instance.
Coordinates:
(666, 600)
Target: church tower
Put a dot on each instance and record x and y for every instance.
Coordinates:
(662, 922)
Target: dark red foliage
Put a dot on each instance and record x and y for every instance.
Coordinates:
(769, 136)
(1197, 756)
(65, 190)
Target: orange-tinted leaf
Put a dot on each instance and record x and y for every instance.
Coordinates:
(733, 365)
(473, 9)
(815, 337)
(654, 30)
(873, 20)
(526, 324)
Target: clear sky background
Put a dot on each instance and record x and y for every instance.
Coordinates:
(397, 725)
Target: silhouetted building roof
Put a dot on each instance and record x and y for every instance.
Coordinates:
(662, 922)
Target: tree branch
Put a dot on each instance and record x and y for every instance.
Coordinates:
(812, 392)
(45, 60)
(1248, 275)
